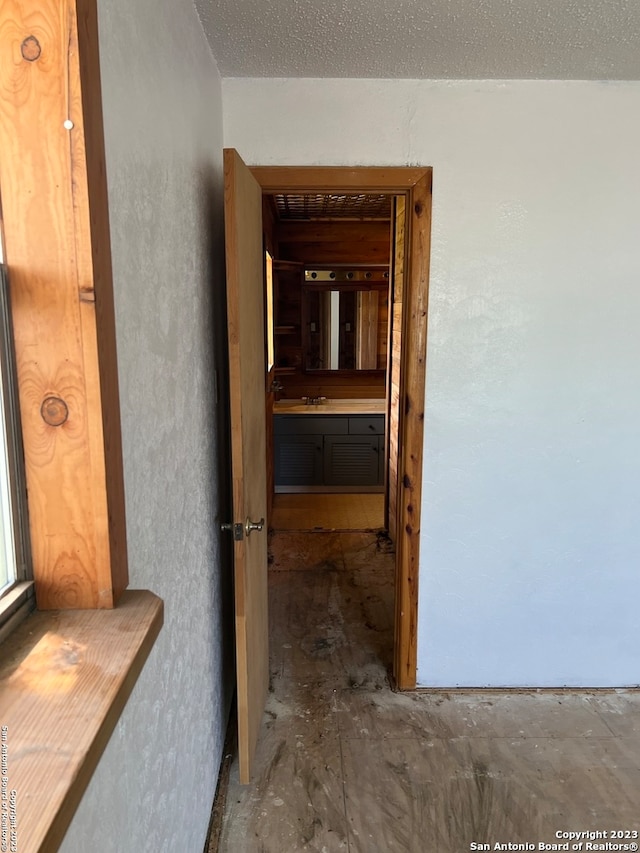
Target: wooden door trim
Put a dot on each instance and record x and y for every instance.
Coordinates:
(415, 184)
(329, 179)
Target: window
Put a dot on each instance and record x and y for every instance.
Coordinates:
(16, 593)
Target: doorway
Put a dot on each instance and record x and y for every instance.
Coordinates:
(411, 225)
(329, 283)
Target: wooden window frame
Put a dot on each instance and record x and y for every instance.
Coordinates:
(67, 671)
(18, 599)
(56, 237)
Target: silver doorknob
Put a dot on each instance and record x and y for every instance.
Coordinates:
(253, 525)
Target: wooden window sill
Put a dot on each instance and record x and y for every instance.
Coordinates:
(65, 678)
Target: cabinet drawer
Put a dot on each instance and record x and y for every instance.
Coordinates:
(366, 425)
(310, 425)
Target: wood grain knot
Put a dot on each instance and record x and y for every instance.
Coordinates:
(419, 208)
(30, 49)
(54, 411)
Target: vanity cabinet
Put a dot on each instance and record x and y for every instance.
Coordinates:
(318, 450)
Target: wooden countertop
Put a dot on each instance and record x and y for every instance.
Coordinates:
(331, 407)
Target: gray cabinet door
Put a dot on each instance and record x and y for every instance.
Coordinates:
(351, 460)
(298, 460)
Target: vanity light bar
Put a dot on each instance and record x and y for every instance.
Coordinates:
(372, 274)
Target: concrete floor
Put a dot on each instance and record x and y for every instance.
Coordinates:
(346, 764)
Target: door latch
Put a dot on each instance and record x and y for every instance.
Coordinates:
(236, 529)
(239, 530)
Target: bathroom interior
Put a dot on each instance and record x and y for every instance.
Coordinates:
(333, 272)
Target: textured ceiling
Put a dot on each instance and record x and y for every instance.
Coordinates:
(428, 39)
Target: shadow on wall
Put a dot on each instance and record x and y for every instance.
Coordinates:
(220, 445)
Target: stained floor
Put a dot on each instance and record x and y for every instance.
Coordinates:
(345, 764)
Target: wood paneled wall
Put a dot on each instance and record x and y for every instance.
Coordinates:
(383, 329)
(334, 242)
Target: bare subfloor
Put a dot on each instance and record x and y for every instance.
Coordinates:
(346, 764)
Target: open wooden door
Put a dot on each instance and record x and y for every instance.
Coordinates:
(245, 307)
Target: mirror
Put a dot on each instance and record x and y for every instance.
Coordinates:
(345, 326)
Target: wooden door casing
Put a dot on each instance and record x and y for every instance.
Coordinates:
(414, 185)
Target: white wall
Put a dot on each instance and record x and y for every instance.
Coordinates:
(529, 547)
(154, 786)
